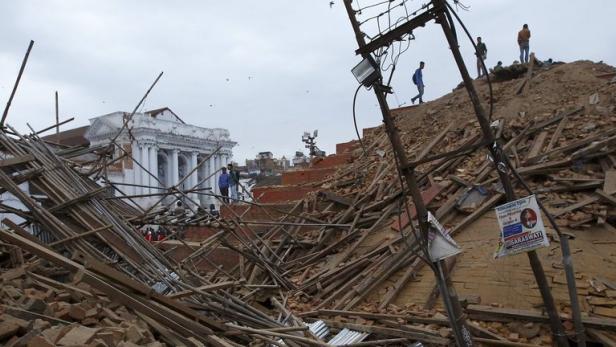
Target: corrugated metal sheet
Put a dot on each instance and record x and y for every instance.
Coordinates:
(346, 336)
(319, 329)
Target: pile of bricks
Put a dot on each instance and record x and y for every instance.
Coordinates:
(38, 311)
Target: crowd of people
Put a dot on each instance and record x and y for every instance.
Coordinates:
(151, 234)
(481, 53)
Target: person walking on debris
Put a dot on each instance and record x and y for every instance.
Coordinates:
(223, 185)
(482, 55)
(523, 42)
(418, 81)
(234, 182)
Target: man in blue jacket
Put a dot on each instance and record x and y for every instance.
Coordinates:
(418, 80)
(223, 185)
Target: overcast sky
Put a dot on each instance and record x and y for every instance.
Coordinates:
(265, 70)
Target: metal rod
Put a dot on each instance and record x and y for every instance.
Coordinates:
(21, 71)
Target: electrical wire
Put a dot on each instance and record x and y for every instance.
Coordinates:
(355, 121)
(422, 240)
(483, 64)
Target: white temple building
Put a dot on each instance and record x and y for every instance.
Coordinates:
(159, 151)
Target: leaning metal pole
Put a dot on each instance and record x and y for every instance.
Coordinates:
(452, 304)
(501, 168)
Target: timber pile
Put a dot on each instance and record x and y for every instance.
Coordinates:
(557, 126)
(91, 237)
(346, 255)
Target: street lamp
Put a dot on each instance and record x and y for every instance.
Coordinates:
(366, 72)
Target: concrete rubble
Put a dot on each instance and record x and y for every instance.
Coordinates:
(333, 245)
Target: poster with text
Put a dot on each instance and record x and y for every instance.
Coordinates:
(442, 245)
(521, 227)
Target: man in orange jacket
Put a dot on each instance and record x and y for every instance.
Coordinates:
(523, 42)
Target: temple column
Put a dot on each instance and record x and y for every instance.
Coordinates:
(210, 172)
(154, 169)
(193, 177)
(202, 174)
(175, 175)
(145, 176)
(136, 156)
(218, 171)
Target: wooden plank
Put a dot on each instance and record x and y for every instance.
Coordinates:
(206, 288)
(548, 122)
(434, 141)
(599, 136)
(537, 145)
(410, 273)
(427, 196)
(602, 337)
(30, 316)
(571, 187)
(578, 205)
(423, 337)
(543, 167)
(475, 215)
(609, 184)
(606, 197)
(482, 332)
(16, 160)
(496, 314)
(335, 198)
(491, 342)
(557, 133)
(79, 199)
(377, 316)
(529, 74)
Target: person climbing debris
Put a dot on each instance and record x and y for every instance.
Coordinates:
(418, 81)
(524, 43)
(482, 55)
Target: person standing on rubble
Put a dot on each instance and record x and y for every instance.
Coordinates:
(482, 55)
(234, 182)
(523, 42)
(418, 81)
(223, 185)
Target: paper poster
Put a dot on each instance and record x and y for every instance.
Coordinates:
(521, 227)
(441, 244)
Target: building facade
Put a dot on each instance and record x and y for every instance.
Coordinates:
(160, 151)
(266, 164)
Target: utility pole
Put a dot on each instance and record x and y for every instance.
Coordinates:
(438, 11)
(502, 169)
(57, 116)
(452, 304)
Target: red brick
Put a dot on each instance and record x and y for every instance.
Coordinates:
(346, 146)
(305, 176)
(265, 212)
(278, 194)
(333, 161)
(366, 132)
(226, 257)
(427, 196)
(198, 233)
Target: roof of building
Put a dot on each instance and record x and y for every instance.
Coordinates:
(71, 137)
(156, 112)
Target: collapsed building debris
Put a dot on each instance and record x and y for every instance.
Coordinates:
(331, 258)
